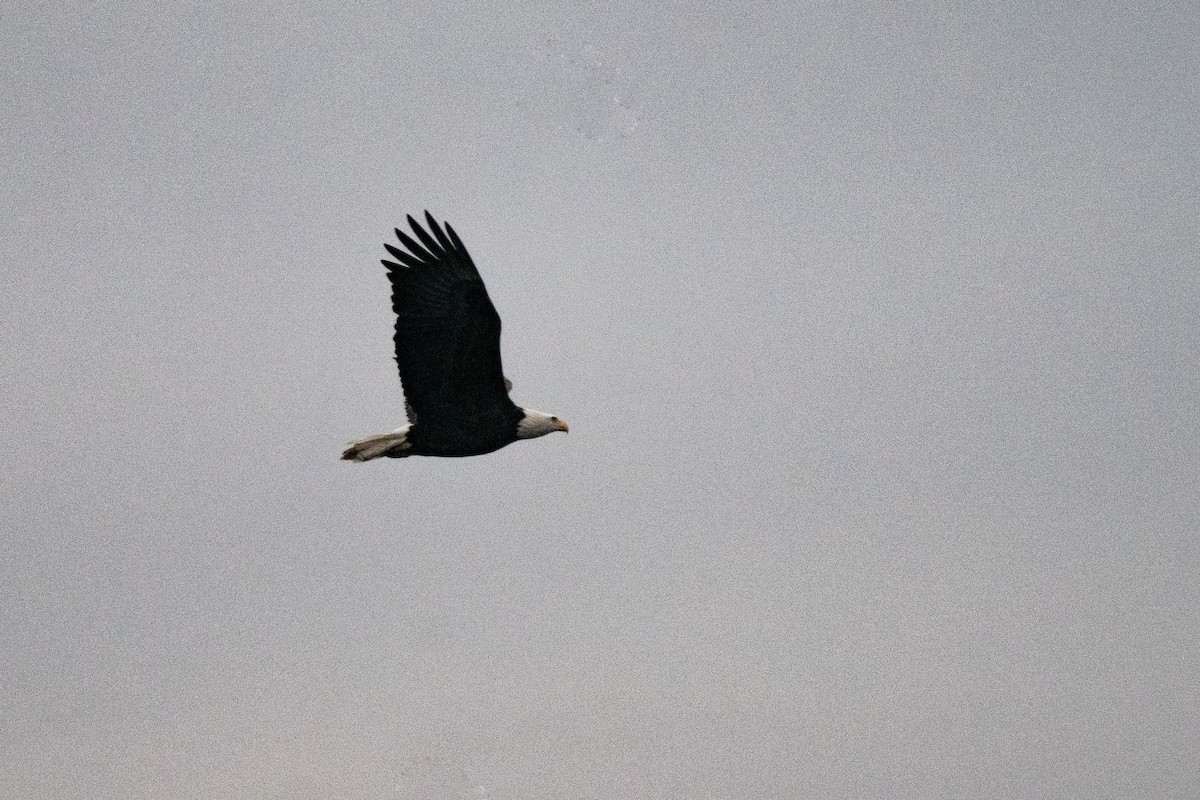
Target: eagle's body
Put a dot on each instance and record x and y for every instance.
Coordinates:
(448, 350)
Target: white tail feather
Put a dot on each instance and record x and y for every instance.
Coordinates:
(394, 444)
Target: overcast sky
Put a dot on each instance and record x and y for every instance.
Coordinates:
(876, 325)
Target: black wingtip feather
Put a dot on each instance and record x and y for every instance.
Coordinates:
(453, 236)
(401, 256)
(437, 231)
(430, 244)
(417, 250)
(412, 223)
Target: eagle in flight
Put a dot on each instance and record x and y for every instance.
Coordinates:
(448, 350)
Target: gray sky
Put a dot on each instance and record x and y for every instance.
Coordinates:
(876, 326)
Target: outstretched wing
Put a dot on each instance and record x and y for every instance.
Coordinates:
(447, 330)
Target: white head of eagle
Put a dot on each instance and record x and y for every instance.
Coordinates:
(448, 351)
(538, 423)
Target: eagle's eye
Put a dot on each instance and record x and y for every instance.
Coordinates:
(554, 419)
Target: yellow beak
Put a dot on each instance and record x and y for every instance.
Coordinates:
(562, 426)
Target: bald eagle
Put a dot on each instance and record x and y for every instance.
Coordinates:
(448, 350)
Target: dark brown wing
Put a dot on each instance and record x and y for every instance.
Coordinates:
(447, 330)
